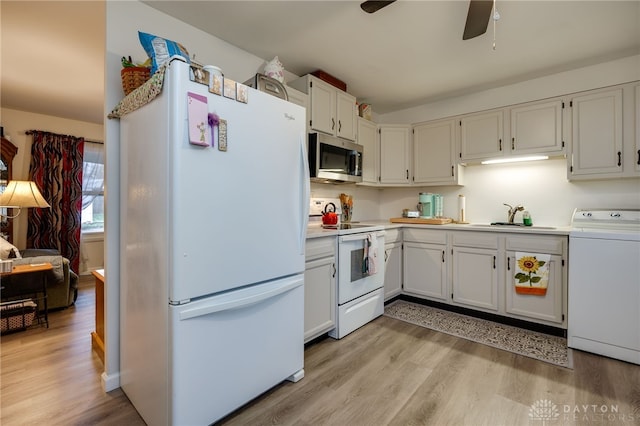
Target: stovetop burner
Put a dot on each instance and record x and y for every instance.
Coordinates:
(344, 226)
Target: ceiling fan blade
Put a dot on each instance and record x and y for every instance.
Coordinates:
(477, 18)
(371, 6)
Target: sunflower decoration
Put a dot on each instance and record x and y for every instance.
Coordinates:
(530, 265)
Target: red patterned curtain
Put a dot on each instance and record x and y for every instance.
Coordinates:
(56, 167)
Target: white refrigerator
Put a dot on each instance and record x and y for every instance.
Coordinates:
(212, 252)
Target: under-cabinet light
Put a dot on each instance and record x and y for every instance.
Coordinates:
(516, 159)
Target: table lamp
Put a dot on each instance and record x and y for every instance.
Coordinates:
(21, 194)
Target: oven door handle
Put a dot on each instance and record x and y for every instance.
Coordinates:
(360, 236)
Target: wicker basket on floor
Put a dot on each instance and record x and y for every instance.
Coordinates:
(134, 77)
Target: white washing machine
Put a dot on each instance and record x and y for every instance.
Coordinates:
(604, 283)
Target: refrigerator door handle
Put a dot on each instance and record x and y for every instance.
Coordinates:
(241, 302)
(306, 192)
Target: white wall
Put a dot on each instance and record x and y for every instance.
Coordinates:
(16, 123)
(540, 186)
(581, 79)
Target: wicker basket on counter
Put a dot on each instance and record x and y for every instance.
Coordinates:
(134, 77)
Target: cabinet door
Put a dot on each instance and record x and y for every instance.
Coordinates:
(537, 128)
(392, 270)
(434, 150)
(547, 307)
(319, 297)
(425, 270)
(323, 106)
(596, 134)
(368, 138)
(481, 136)
(345, 115)
(636, 152)
(394, 154)
(475, 277)
(297, 97)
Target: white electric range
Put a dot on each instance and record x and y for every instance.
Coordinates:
(360, 270)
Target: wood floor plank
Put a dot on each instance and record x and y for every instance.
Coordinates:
(386, 373)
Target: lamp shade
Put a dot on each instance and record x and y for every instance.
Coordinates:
(22, 193)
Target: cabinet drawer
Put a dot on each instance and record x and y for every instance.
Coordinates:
(392, 235)
(536, 244)
(317, 248)
(475, 239)
(425, 236)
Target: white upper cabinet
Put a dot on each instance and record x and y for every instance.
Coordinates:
(536, 128)
(346, 115)
(596, 135)
(297, 97)
(481, 135)
(435, 154)
(395, 152)
(331, 110)
(368, 138)
(636, 150)
(322, 98)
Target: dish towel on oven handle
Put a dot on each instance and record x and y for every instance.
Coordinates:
(532, 273)
(371, 254)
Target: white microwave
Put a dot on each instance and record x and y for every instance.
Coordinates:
(334, 160)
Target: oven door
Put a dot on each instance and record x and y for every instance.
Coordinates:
(354, 275)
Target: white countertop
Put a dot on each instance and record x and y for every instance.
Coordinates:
(315, 230)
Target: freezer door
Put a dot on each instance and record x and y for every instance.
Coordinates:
(237, 217)
(228, 349)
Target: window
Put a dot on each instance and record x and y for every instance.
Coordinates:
(93, 187)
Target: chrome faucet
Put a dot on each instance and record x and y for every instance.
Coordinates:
(513, 210)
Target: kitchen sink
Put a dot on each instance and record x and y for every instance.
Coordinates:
(510, 225)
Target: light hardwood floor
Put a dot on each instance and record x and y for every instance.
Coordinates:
(388, 372)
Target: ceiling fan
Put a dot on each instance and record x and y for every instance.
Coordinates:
(477, 16)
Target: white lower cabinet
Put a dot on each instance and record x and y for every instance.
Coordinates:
(475, 277)
(476, 270)
(549, 307)
(319, 287)
(426, 266)
(392, 263)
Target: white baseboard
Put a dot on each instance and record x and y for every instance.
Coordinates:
(110, 382)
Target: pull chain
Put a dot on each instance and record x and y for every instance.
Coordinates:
(496, 16)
